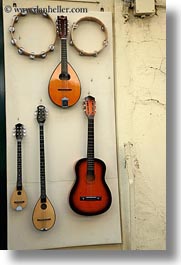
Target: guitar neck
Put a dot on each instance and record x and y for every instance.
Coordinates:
(64, 56)
(90, 147)
(19, 165)
(42, 164)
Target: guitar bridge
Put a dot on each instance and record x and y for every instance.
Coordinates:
(17, 202)
(90, 198)
(43, 219)
(64, 89)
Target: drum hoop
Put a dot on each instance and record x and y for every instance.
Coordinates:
(21, 50)
(103, 28)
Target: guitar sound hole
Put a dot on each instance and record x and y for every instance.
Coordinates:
(43, 206)
(63, 76)
(19, 192)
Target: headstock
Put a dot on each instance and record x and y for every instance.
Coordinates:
(41, 114)
(62, 26)
(90, 106)
(19, 131)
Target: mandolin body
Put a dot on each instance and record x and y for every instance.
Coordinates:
(64, 91)
(18, 199)
(90, 195)
(44, 215)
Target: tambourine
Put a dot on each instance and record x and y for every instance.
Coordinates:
(102, 27)
(32, 55)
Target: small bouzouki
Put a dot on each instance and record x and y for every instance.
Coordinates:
(44, 213)
(90, 194)
(64, 86)
(19, 198)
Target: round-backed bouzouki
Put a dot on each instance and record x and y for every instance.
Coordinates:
(64, 86)
(44, 213)
(90, 194)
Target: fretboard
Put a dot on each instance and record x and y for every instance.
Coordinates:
(42, 164)
(90, 147)
(64, 56)
(19, 166)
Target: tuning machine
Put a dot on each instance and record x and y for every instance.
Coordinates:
(14, 131)
(84, 106)
(35, 113)
(24, 132)
(46, 112)
(68, 27)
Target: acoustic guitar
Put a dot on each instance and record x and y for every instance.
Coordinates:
(18, 199)
(64, 86)
(90, 194)
(44, 213)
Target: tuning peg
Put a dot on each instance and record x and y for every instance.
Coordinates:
(14, 131)
(14, 134)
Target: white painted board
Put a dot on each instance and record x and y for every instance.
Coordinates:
(65, 136)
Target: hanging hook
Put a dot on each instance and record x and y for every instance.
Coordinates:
(91, 81)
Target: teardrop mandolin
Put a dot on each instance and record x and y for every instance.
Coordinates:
(90, 194)
(44, 213)
(64, 85)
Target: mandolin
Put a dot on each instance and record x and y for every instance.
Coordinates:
(90, 194)
(44, 213)
(18, 199)
(64, 86)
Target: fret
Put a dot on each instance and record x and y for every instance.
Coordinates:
(64, 56)
(90, 147)
(42, 163)
(19, 165)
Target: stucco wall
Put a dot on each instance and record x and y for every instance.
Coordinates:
(140, 99)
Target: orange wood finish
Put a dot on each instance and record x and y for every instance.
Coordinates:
(71, 88)
(44, 219)
(90, 186)
(18, 199)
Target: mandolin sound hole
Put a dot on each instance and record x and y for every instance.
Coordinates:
(43, 206)
(64, 76)
(19, 192)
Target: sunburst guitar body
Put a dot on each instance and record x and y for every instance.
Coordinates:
(90, 194)
(64, 86)
(18, 198)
